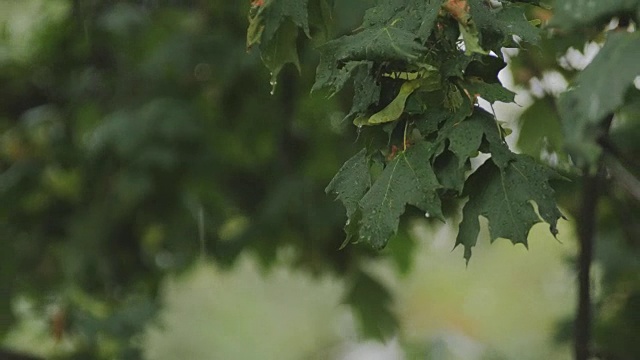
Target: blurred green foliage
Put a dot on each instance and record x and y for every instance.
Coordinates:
(139, 136)
(568, 137)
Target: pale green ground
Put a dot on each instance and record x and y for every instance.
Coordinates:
(246, 314)
(508, 300)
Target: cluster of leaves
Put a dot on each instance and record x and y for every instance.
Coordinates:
(418, 68)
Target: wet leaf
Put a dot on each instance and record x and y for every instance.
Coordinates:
(503, 196)
(408, 179)
(281, 50)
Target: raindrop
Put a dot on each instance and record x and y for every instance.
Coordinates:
(348, 222)
(273, 82)
(358, 130)
(427, 215)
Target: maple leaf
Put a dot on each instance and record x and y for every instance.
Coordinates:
(491, 92)
(465, 139)
(541, 130)
(274, 12)
(273, 24)
(497, 26)
(465, 132)
(407, 179)
(450, 173)
(265, 18)
(504, 196)
(351, 182)
(366, 91)
(415, 16)
(337, 57)
(281, 49)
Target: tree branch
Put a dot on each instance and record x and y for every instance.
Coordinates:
(586, 234)
(592, 183)
(624, 178)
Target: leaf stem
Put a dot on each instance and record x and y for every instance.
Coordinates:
(404, 138)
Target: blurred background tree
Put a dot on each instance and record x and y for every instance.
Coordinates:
(139, 136)
(139, 139)
(590, 133)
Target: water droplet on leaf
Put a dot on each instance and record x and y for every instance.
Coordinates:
(273, 82)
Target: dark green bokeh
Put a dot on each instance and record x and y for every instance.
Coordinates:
(139, 136)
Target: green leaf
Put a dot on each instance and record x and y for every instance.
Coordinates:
(596, 95)
(331, 77)
(373, 44)
(351, 182)
(366, 91)
(465, 131)
(451, 175)
(393, 111)
(471, 39)
(378, 44)
(430, 109)
(255, 29)
(281, 49)
(504, 196)
(274, 25)
(403, 249)
(511, 20)
(320, 20)
(497, 26)
(274, 12)
(627, 132)
(598, 91)
(540, 129)
(372, 304)
(415, 16)
(465, 140)
(265, 20)
(453, 98)
(570, 14)
(455, 64)
(407, 179)
(490, 92)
